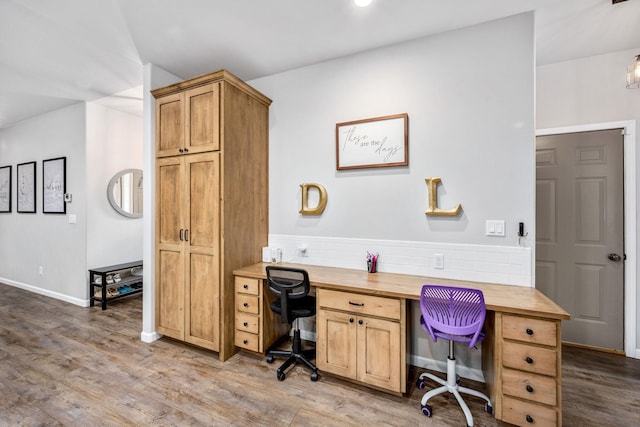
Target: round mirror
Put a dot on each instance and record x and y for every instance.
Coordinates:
(125, 193)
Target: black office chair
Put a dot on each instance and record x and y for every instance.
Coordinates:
(291, 285)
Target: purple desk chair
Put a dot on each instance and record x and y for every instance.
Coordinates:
(453, 314)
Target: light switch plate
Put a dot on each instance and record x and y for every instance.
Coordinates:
(73, 218)
(495, 228)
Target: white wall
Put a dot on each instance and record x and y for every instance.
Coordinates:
(97, 142)
(114, 143)
(469, 95)
(591, 91)
(32, 240)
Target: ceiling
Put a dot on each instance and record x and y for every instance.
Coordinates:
(55, 53)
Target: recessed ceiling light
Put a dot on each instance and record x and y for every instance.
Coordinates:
(362, 3)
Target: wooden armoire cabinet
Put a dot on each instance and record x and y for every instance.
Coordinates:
(211, 203)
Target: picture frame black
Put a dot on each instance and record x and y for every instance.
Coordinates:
(26, 187)
(5, 189)
(54, 185)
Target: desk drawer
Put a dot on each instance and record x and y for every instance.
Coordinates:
(529, 358)
(247, 323)
(362, 304)
(247, 304)
(247, 340)
(526, 385)
(247, 285)
(523, 413)
(530, 330)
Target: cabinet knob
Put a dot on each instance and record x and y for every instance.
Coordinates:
(351, 320)
(246, 304)
(529, 388)
(245, 342)
(180, 150)
(186, 150)
(245, 286)
(245, 324)
(529, 418)
(528, 359)
(360, 322)
(529, 331)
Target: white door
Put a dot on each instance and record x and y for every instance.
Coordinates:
(580, 235)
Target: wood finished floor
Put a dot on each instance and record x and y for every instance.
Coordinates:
(65, 365)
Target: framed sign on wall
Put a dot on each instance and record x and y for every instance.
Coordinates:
(54, 182)
(373, 143)
(26, 187)
(5, 189)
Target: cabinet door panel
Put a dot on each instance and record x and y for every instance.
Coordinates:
(204, 200)
(169, 125)
(379, 353)
(203, 301)
(168, 200)
(170, 294)
(203, 118)
(336, 343)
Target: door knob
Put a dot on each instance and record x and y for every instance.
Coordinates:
(614, 257)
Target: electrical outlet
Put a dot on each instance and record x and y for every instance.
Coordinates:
(302, 251)
(438, 261)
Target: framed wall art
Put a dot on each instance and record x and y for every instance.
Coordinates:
(54, 185)
(26, 187)
(373, 143)
(5, 189)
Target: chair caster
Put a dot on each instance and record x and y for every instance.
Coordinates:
(426, 410)
(280, 376)
(420, 384)
(314, 376)
(269, 358)
(488, 408)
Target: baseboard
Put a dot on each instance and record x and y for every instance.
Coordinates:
(46, 292)
(149, 337)
(441, 366)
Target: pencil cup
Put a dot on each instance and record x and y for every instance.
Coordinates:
(371, 266)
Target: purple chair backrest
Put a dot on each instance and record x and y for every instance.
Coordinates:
(454, 311)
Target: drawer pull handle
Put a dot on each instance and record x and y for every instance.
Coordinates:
(529, 388)
(528, 360)
(351, 320)
(529, 331)
(245, 286)
(246, 304)
(360, 322)
(529, 418)
(247, 324)
(245, 342)
(357, 304)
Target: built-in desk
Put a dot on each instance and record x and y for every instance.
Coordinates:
(521, 354)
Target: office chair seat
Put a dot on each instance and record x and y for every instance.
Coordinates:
(307, 307)
(291, 286)
(456, 315)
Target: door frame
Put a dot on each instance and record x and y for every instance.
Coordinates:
(630, 221)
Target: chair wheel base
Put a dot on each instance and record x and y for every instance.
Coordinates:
(314, 376)
(420, 384)
(270, 359)
(281, 376)
(488, 409)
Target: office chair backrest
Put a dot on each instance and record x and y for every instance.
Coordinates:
(288, 284)
(454, 311)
